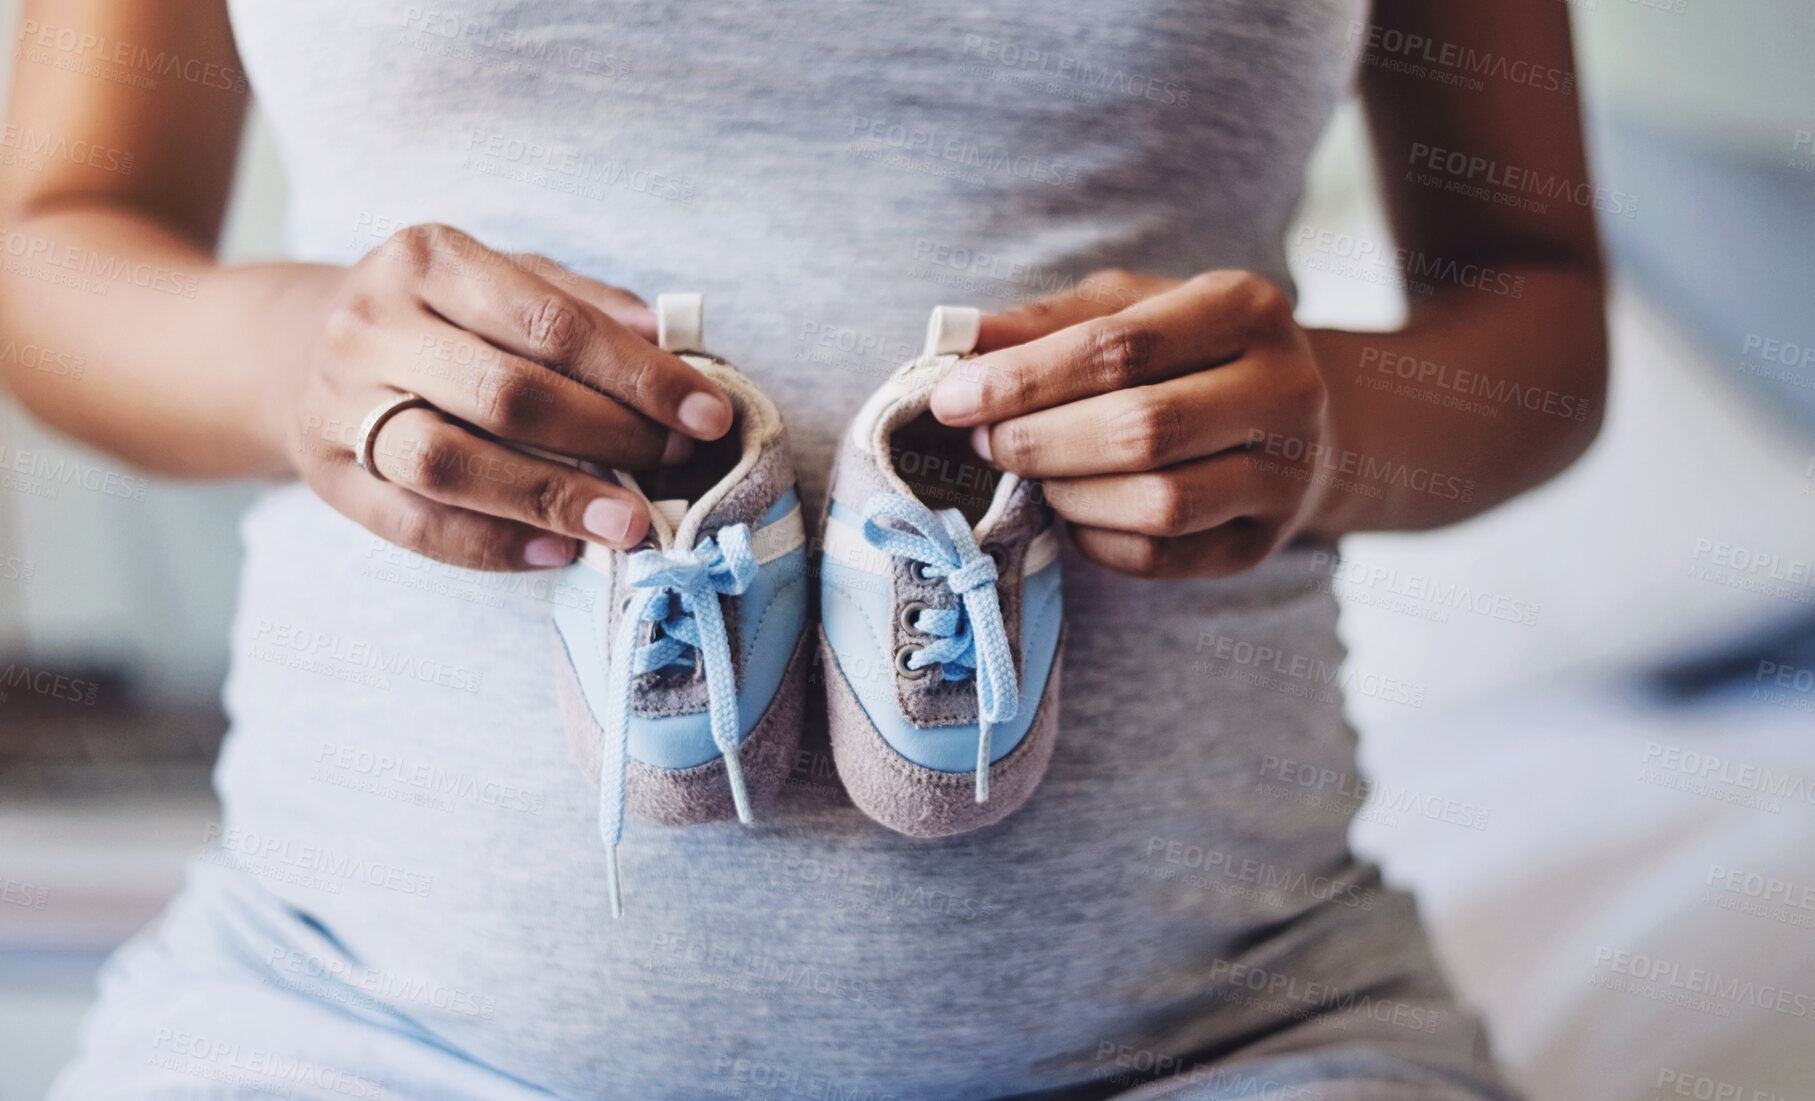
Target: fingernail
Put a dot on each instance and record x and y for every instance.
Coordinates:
(678, 449)
(705, 415)
(548, 550)
(955, 398)
(609, 519)
(980, 442)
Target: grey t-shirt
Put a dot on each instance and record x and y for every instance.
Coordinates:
(825, 171)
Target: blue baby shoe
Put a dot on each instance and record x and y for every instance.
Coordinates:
(682, 669)
(941, 616)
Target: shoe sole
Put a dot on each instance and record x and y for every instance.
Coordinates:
(694, 796)
(924, 802)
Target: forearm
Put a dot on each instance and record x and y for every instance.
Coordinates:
(180, 357)
(1479, 398)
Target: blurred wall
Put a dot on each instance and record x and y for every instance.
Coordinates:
(1736, 71)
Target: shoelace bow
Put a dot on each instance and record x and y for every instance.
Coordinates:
(677, 590)
(969, 640)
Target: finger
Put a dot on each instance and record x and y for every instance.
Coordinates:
(423, 451)
(1179, 500)
(446, 534)
(1097, 295)
(525, 314)
(1237, 546)
(622, 306)
(1149, 427)
(1207, 320)
(516, 399)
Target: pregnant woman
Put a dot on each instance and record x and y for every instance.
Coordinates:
(406, 892)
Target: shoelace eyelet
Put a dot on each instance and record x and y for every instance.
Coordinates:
(920, 571)
(998, 555)
(902, 653)
(908, 612)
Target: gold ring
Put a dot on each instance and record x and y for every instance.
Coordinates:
(369, 428)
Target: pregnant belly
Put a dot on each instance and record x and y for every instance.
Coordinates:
(400, 802)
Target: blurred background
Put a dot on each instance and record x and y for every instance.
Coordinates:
(1606, 798)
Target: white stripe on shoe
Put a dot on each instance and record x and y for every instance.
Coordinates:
(771, 541)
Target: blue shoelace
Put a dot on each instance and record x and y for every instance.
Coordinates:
(969, 640)
(678, 591)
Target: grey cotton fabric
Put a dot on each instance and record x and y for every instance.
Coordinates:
(406, 890)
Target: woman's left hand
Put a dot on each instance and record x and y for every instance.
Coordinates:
(1176, 424)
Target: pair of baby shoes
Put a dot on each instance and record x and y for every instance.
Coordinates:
(683, 676)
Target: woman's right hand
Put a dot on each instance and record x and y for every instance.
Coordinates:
(504, 347)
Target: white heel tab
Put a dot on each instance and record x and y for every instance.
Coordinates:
(680, 322)
(953, 330)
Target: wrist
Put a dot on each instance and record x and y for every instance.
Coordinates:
(293, 305)
(1327, 510)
